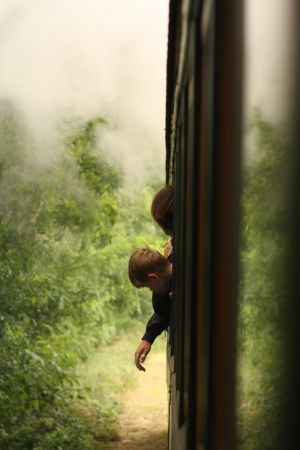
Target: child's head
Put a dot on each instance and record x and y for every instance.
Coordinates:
(148, 268)
(162, 209)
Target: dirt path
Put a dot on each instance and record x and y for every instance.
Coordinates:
(143, 423)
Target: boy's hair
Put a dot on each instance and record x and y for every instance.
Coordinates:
(162, 208)
(144, 261)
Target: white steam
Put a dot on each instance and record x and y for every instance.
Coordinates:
(76, 59)
(268, 56)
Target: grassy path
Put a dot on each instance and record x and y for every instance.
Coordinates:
(143, 422)
(132, 404)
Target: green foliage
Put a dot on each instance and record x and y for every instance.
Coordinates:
(96, 173)
(66, 232)
(262, 291)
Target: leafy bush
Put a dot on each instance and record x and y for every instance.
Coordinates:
(262, 291)
(66, 232)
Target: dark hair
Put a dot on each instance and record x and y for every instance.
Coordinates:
(144, 261)
(162, 208)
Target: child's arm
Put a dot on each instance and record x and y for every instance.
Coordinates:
(158, 322)
(155, 326)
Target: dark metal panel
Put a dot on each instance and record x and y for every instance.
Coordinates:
(204, 206)
(191, 232)
(227, 155)
(220, 57)
(207, 149)
(172, 72)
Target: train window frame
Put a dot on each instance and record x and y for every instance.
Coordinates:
(200, 424)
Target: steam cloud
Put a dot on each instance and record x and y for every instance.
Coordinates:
(76, 59)
(268, 54)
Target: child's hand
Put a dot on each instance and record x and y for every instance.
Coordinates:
(141, 354)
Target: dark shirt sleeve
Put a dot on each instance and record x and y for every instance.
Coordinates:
(160, 320)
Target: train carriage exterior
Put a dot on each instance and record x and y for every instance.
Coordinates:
(204, 123)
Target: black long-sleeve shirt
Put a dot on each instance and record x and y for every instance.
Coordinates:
(160, 320)
(162, 306)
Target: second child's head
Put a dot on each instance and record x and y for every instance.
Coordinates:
(148, 268)
(162, 208)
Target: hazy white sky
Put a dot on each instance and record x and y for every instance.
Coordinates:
(79, 58)
(268, 55)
